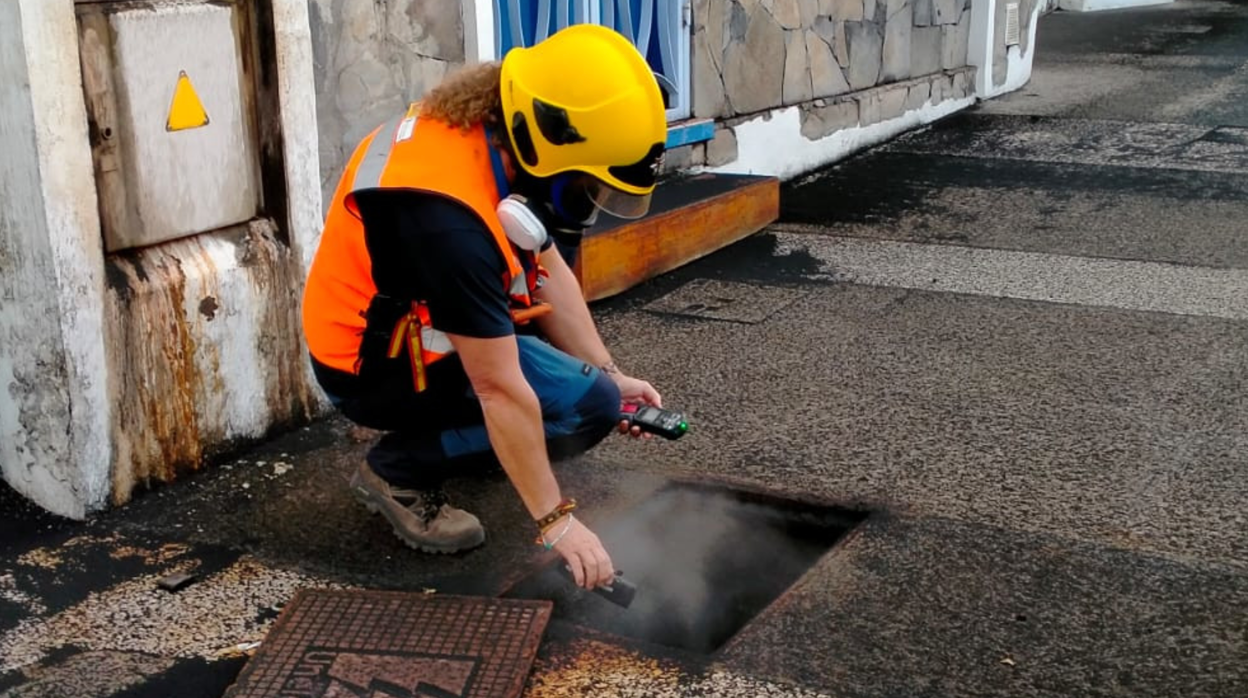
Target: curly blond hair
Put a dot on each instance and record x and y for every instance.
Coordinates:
(468, 97)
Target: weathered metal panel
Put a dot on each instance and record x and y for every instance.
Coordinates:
(204, 336)
(181, 182)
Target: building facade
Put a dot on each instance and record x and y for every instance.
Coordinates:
(168, 164)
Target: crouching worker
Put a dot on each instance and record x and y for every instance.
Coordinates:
(439, 309)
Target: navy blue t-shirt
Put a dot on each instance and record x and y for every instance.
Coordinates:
(427, 247)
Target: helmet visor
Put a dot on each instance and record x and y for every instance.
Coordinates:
(617, 203)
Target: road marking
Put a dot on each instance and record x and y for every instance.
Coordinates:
(1036, 276)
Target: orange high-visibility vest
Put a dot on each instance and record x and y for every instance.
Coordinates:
(417, 154)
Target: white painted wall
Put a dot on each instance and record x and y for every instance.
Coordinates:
(774, 145)
(64, 441)
(54, 407)
(983, 42)
(297, 101)
(1098, 5)
(1019, 63)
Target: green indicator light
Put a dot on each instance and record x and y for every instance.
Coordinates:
(684, 426)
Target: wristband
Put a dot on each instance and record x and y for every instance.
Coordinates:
(541, 540)
(567, 506)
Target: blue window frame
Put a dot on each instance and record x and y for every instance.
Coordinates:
(658, 28)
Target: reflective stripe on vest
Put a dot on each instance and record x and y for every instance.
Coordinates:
(435, 341)
(373, 164)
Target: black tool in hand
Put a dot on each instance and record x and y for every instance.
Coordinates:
(620, 592)
(669, 424)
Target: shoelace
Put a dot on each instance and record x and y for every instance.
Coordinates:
(424, 503)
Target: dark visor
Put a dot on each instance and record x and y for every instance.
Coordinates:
(644, 172)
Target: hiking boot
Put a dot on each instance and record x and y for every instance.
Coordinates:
(422, 518)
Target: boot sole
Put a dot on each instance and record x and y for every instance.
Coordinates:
(417, 544)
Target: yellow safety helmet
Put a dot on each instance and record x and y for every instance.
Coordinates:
(585, 100)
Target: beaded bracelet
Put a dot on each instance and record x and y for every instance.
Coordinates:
(551, 544)
(567, 506)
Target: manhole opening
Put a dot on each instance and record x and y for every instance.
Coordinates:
(706, 560)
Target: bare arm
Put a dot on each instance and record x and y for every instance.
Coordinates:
(513, 420)
(570, 327)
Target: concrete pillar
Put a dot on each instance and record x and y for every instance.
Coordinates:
(479, 19)
(982, 41)
(89, 339)
(54, 407)
(1003, 63)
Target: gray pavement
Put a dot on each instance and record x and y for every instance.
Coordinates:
(1177, 63)
(1017, 337)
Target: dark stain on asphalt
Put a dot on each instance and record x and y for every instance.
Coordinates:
(79, 563)
(189, 678)
(853, 194)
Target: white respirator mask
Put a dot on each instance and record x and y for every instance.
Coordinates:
(521, 224)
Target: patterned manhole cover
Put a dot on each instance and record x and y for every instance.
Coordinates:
(370, 644)
(724, 300)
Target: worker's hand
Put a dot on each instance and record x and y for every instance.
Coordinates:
(584, 554)
(633, 390)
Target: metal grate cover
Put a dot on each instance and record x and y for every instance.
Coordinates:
(725, 300)
(372, 644)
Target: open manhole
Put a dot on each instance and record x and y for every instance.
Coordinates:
(375, 644)
(705, 561)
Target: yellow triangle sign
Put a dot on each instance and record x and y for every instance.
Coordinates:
(186, 111)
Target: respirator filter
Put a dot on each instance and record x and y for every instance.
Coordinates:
(521, 224)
